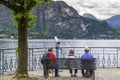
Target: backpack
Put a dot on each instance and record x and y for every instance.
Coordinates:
(45, 58)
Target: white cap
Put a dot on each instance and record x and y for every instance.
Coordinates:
(86, 48)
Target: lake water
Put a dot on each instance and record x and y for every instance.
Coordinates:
(37, 43)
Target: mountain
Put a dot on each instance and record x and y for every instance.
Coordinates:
(64, 21)
(114, 22)
(88, 15)
(59, 19)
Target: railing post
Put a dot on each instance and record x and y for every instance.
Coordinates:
(32, 59)
(29, 59)
(2, 63)
(117, 58)
(103, 59)
(57, 52)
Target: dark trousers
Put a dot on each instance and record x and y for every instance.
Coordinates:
(83, 73)
(71, 71)
(56, 72)
(45, 72)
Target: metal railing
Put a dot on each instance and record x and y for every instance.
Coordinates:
(105, 56)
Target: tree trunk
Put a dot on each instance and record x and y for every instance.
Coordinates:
(22, 48)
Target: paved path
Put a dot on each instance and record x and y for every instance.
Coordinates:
(100, 74)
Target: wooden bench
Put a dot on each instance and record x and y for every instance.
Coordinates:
(68, 63)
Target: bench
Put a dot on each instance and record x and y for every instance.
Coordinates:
(68, 63)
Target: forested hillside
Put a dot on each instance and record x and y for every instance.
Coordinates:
(58, 19)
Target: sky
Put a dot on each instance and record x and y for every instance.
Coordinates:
(102, 9)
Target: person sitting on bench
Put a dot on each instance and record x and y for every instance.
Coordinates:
(86, 55)
(72, 55)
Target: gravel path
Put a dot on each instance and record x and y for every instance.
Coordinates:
(100, 74)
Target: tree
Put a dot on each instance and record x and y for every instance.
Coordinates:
(23, 19)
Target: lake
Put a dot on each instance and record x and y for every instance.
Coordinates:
(37, 43)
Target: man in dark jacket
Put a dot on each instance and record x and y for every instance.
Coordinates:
(45, 62)
(48, 62)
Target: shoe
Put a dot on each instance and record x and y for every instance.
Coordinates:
(72, 75)
(46, 75)
(57, 76)
(75, 75)
(83, 75)
(87, 76)
(49, 71)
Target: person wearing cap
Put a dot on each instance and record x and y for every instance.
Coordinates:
(86, 55)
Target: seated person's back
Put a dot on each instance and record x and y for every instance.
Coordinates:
(86, 55)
